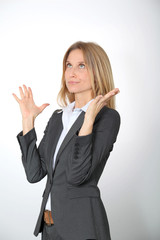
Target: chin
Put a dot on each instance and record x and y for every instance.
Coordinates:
(73, 91)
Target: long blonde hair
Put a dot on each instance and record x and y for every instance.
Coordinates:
(99, 69)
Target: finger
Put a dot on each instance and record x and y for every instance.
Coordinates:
(114, 91)
(30, 92)
(16, 98)
(97, 99)
(110, 94)
(106, 98)
(21, 92)
(44, 106)
(25, 90)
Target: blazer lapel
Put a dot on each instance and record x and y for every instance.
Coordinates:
(54, 134)
(75, 127)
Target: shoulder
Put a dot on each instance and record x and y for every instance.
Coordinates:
(59, 110)
(56, 114)
(108, 113)
(107, 118)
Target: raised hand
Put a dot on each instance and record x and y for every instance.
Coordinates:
(94, 107)
(28, 108)
(98, 103)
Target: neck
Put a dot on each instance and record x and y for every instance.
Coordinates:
(82, 99)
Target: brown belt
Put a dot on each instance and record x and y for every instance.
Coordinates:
(48, 217)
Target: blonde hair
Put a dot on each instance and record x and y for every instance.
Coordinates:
(99, 69)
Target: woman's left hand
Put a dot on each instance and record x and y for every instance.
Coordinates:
(97, 104)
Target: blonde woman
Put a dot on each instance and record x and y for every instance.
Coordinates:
(76, 144)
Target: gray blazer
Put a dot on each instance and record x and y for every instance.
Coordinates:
(77, 208)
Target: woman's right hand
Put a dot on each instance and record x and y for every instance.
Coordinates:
(27, 105)
(28, 108)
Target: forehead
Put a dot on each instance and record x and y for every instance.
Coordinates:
(76, 55)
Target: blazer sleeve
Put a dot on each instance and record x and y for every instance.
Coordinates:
(33, 157)
(89, 151)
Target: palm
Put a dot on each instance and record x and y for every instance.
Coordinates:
(27, 106)
(98, 103)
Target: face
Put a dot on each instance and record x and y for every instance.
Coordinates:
(76, 74)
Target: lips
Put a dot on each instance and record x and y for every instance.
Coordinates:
(72, 82)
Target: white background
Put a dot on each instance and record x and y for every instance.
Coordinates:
(34, 36)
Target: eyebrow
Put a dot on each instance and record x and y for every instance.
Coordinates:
(77, 62)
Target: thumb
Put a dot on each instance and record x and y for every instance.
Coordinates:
(43, 106)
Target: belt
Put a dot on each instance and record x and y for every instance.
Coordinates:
(48, 218)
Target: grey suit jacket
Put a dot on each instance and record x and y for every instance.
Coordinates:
(77, 208)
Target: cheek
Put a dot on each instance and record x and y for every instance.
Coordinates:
(86, 78)
(65, 74)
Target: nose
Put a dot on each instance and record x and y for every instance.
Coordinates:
(73, 72)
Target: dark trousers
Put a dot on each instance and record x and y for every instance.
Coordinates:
(50, 233)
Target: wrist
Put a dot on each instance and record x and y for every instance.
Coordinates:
(28, 120)
(86, 128)
(27, 124)
(88, 122)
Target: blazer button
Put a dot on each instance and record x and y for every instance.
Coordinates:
(76, 154)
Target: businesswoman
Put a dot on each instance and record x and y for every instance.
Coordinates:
(76, 144)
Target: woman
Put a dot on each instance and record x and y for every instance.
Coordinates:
(76, 145)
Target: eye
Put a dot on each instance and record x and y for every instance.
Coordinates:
(81, 66)
(68, 65)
